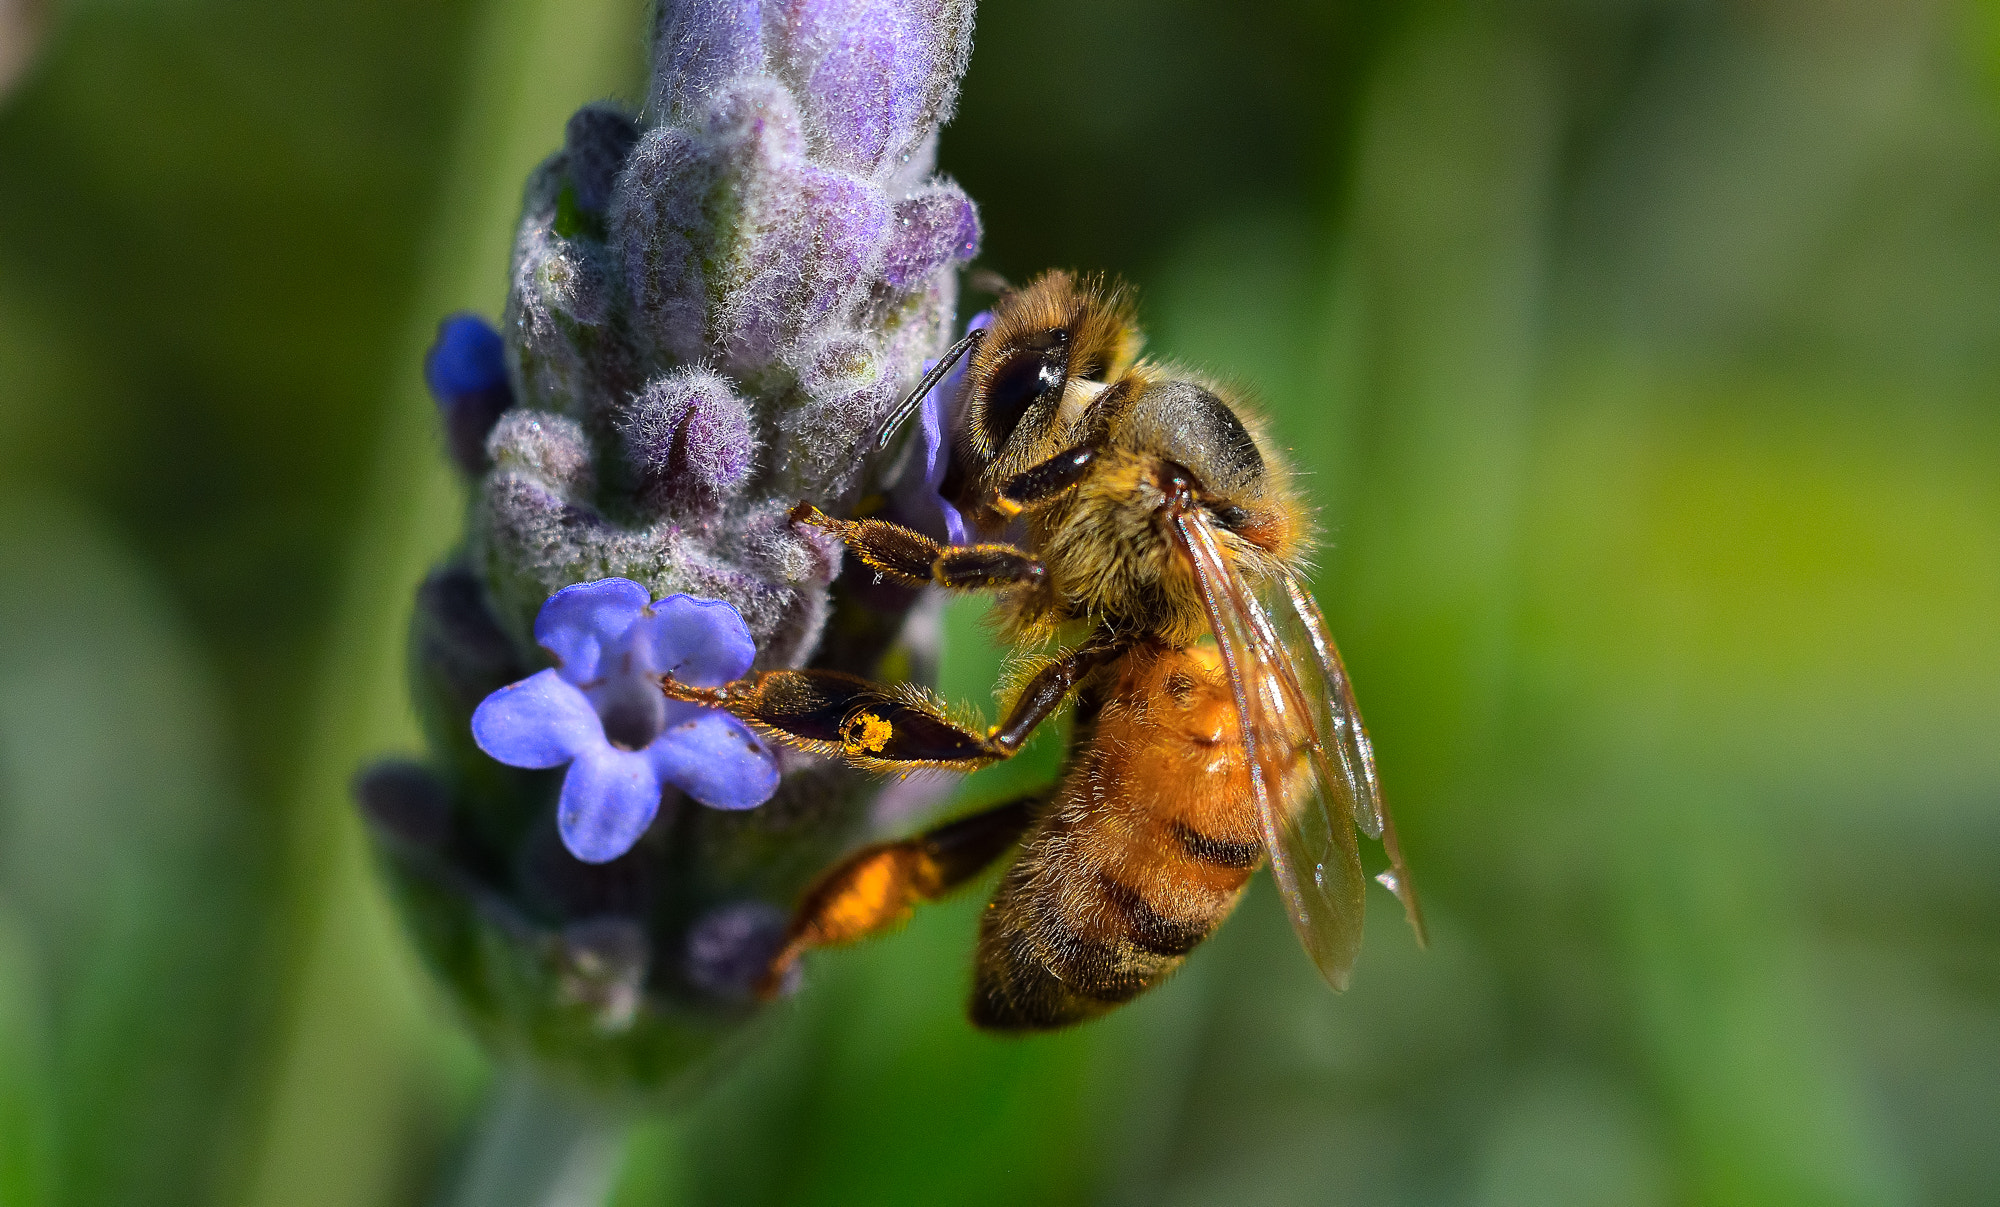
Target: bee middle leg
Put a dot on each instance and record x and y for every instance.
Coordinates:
(915, 560)
(876, 888)
(876, 725)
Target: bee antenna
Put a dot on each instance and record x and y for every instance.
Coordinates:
(914, 399)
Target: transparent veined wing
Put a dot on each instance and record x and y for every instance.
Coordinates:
(1304, 806)
(1301, 632)
(1339, 733)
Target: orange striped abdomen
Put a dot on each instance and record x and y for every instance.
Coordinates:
(1144, 850)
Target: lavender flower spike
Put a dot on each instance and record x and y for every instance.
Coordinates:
(714, 304)
(600, 710)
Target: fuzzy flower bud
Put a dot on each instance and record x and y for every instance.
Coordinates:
(712, 308)
(688, 441)
(596, 144)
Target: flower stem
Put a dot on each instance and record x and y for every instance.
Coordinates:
(539, 1145)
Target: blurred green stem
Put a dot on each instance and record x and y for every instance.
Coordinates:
(539, 1146)
(341, 1092)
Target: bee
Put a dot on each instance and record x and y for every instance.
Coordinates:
(1214, 724)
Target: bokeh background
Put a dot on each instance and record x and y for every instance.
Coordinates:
(1643, 356)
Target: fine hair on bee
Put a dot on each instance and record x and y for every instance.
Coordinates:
(1157, 527)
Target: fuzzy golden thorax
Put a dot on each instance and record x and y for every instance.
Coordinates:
(1107, 546)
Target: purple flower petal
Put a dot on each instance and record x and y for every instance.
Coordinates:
(608, 799)
(949, 395)
(936, 453)
(699, 642)
(936, 418)
(579, 621)
(466, 371)
(714, 758)
(542, 721)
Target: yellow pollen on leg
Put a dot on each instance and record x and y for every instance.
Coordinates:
(868, 734)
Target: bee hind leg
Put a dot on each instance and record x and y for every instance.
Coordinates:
(875, 725)
(876, 888)
(832, 712)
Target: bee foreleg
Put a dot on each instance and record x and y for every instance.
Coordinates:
(914, 559)
(874, 889)
(1040, 483)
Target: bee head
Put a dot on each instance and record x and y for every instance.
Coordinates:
(1026, 377)
(1046, 340)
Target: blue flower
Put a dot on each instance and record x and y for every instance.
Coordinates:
(600, 710)
(466, 370)
(467, 357)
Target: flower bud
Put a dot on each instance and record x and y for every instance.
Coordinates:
(405, 802)
(560, 300)
(688, 441)
(596, 143)
(698, 46)
(660, 228)
(935, 228)
(878, 75)
(550, 447)
(730, 946)
(466, 370)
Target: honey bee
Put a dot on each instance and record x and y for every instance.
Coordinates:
(1214, 724)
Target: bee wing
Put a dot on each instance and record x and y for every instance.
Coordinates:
(1340, 739)
(1305, 807)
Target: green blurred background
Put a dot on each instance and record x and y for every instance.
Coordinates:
(1643, 356)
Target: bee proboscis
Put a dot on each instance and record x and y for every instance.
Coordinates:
(1214, 722)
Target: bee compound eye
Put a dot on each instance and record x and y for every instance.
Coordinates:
(1233, 517)
(1034, 369)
